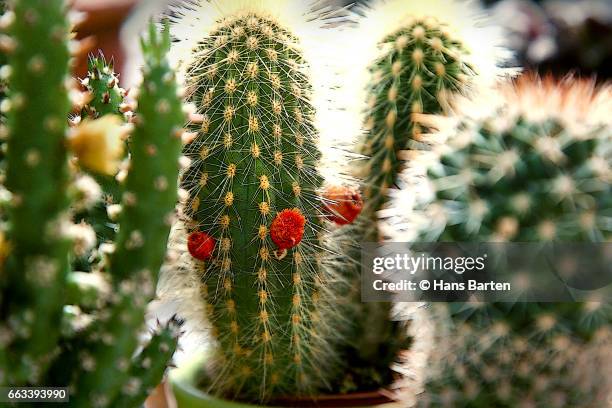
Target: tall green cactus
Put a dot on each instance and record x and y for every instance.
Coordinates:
(422, 69)
(525, 171)
(252, 187)
(144, 227)
(37, 177)
(419, 69)
(90, 343)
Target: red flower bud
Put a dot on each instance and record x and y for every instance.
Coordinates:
(343, 204)
(200, 245)
(287, 229)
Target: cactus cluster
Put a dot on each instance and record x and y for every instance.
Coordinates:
(532, 167)
(253, 214)
(255, 227)
(60, 327)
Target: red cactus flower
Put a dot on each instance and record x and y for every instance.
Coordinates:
(343, 204)
(287, 229)
(200, 245)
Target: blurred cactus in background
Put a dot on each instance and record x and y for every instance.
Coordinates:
(100, 144)
(422, 57)
(90, 342)
(532, 165)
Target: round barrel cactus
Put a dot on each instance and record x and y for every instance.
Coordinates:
(531, 166)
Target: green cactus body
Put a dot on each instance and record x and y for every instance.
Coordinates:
(103, 84)
(37, 177)
(420, 68)
(148, 211)
(255, 156)
(3, 90)
(512, 177)
(419, 71)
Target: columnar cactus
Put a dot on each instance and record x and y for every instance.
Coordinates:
(532, 167)
(36, 40)
(90, 343)
(252, 211)
(423, 56)
(141, 242)
(423, 68)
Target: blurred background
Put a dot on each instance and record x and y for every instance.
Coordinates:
(548, 36)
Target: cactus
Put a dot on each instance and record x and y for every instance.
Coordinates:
(533, 167)
(3, 61)
(421, 64)
(101, 98)
(252, 212)
(423, 68)
(102, 83)
(38, 49)
(141, 243)
(90, 343)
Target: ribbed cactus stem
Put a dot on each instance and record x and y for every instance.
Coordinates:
(37, 43)
(420, 67)
(252, 187)
(148, 212)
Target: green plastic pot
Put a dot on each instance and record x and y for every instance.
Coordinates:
(187, 395)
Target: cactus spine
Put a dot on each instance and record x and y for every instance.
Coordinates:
(252, 187)
(88, 344)
(525, 172)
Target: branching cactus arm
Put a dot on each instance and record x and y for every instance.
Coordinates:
(148, 211)
(149, 367)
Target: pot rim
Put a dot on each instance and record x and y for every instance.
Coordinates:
(180, 380)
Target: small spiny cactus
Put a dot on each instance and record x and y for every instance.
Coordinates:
(144, 228)
(533, 166)
(102, 85)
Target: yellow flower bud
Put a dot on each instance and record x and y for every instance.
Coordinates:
(99, 144)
